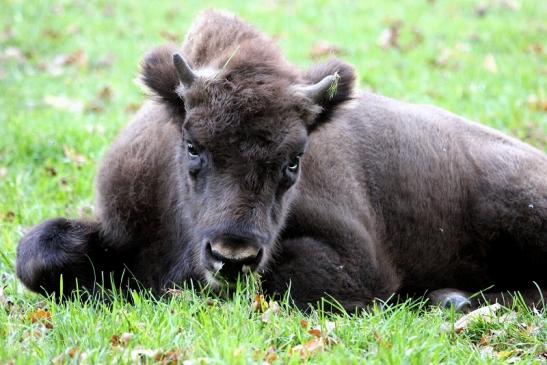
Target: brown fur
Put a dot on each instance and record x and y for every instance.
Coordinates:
(390, 197)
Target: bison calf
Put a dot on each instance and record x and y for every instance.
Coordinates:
(239, 162)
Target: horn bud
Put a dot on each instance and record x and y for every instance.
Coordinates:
(326, 88)
(184, 71)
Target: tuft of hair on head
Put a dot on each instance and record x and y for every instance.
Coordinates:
(340, 90)
(159, 75)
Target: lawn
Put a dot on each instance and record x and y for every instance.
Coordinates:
(67, 71)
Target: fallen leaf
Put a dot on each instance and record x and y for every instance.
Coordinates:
(74, 157)
(324, 49)
(316, 332)
(101, 99)
(64, 103)
(132, 107)
(197, 361)
(490, 64)
(13, 54)
(42, 317)
(481, 10)
(7, 33)
(537, 104)
(51, 33)
(270, 355)
(536, 48)
(57, 65)
(5, 301)
(121, 340)
(50, 171)
(502, 355)
(169, 36)
(95, 129)
(513, 5)
(389, 38)
(273, 309)
(140, 355)
(486, 314)
(308, 349)
(443, 58)
(259, 304)
(8, 216)
(104, 62)
(170, 357)
(330, 327)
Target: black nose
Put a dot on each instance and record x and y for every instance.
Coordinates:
(232, 255)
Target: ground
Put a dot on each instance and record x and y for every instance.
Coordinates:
(67, 71)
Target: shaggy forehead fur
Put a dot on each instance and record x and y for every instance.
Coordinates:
(239, 116)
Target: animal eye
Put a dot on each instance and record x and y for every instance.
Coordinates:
(293, 164)
(192, 151)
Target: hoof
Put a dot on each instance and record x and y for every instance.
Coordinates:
(459, 302)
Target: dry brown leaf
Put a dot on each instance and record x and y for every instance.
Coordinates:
(536, 48)
(8, 216)
(308, 349)
(537, 104)
(56, 66)
(259, 304)
(316, 332)
(42, 317)
(484, 341)
(324, 49)
(170, 357)
(50, 171)
(73, 156)
(132, 107)
(389, 38)
(51, 33)
(490, 64)
(487, 314)
(121, 340)
(101, 99)
(270, 355)
(64, 103)
(304, 324)
(169, 36)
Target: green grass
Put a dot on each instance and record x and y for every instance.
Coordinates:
(441, 60)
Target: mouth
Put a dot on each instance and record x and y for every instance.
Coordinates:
(225, 275)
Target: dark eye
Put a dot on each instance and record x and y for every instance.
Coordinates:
(293, 164)
(192, 151)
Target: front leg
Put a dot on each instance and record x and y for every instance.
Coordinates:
(313, 270)
(73, 250)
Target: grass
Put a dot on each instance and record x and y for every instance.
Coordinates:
(484, 60)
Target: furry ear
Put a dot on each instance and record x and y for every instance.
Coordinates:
(337, 92)
(159, 75)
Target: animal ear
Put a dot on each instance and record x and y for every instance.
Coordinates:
(330, 84)
(163, 72)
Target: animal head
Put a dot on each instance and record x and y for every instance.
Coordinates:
(245, 117)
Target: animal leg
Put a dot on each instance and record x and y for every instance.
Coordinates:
(451, 298)
(67, 249)
(463, 301)
(313, 271)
